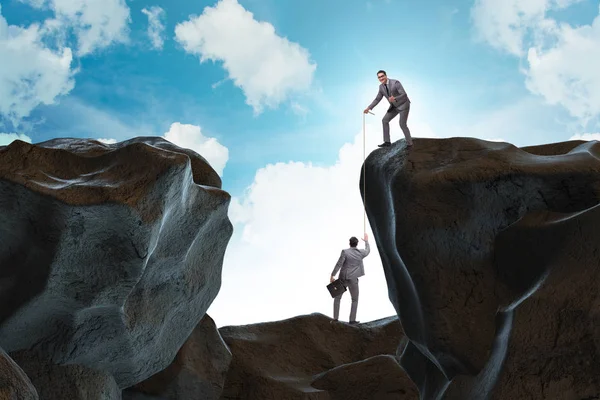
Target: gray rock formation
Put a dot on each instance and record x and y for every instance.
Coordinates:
(379, 377)
(280, 360)
(14, 383)
(491, 256)
(198, 371)
(110, 254)
(73, 382)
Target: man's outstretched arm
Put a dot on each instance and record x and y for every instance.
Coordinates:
(338, 265)
(367, 249)
(376, 101)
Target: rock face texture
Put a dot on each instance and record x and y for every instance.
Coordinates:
(74, 382)
(198, 371)
(492, 258)
(280, 360)
(379, 377)
(110, 254)
(14, 383)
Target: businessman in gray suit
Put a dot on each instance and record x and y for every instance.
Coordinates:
(350, 266)
(393, 90)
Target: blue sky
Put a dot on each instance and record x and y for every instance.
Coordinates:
(466, 65)
(131, 89)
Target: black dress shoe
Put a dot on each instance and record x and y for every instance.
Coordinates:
(354, 322)
(385, 144)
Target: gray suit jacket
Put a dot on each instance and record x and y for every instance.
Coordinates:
(401, 100)
(350, 263)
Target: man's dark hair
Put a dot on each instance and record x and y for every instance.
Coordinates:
(353, 241)
(381, 72)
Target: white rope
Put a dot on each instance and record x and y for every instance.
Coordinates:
(365, 176)
(364, 180)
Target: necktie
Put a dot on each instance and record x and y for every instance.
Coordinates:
(387, 90)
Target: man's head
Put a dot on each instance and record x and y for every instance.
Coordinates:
(382, 76)
(353, 241)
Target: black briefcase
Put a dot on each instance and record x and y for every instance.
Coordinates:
(336, 288)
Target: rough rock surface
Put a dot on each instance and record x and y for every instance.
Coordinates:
(379, 377)
(278, 360)
(110, 254)
(555, 340)
(491, 254)
(198, 371)
(14, 383)
(73, 382)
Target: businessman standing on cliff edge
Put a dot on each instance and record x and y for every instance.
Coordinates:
(351, 267)
(393, 90)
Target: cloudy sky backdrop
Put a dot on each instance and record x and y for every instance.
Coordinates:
(271, 93)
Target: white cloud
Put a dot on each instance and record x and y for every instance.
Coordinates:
(107, 141)
(191, 137)
(40, 70)
(219, 83)
(267, 67)
(562, 61)
(504, 24)
(586, 136)
(299, 109)
(156, 26)
(567, 73)
(97, 24)
(35, 74)
(8, 138)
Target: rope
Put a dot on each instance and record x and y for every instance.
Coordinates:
(365, 176)
(364, 180)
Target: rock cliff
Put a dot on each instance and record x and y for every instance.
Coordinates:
(491, 254)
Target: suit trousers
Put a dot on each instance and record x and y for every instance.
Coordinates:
(392, 112)
(352, 285)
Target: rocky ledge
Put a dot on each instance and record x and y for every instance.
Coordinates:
(491, 254)
(301, 358)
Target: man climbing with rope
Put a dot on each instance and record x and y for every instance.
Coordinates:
(399, 104)
(350, 265)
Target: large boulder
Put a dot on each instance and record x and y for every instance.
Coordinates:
(14, 383)
(198, 371)
(491, 254)
(110, 254)
(280, 360)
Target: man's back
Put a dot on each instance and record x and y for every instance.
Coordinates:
(350, 263)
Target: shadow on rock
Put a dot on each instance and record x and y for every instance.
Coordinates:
(198, 371)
